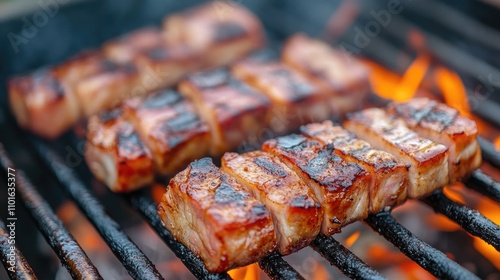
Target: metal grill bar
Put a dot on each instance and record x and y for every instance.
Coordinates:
(484, 184)
(62, 242)
(344, 259)
(22, 268)
(469, 219)
(147, 207)
(132, 258)
(277, 268)
(489, 152)
(422, 253)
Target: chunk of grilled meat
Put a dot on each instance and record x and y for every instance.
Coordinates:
(427, 160)
(444, 125)
(341, 187)
(296, 213)
(295, 100)
(222, 31)
(43, 103)
(107, 88)
(115, 154)
(388, 174)
(125, 48)
(170, 128)
(163, 66)
(216, 218)
(232, 110)
(333, 71)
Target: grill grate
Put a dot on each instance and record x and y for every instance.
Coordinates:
(140, 267)
(23, 269)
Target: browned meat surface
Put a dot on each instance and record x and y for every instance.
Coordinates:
(125, 48)
(295, 100)
(232, 110)
(444, 125)
(45, 101)
(427, 160)
(116, 155)
(341, 187)
(333, 71)
(388, 174)
(221, 31)
(163, 66)
(216, 218)
(296, 213)
(107, 88)
(170, 128)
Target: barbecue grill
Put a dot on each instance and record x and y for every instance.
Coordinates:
(39, 164)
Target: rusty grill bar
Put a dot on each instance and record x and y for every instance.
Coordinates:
(140, 267)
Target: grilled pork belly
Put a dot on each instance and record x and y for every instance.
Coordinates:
(125, 48)
(107, 88)
(216, 217)
(333, 71)
(388, 174)
(427, 160)
(115, 154)
(222, 31)
(232, 110)
(341, 187)
(163, 66)
(443, 125)
(296, 213)
(295, 100)
(43, 103)
(170, 128)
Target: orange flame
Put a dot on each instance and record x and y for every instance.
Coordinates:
(352, 239)
(388, 84)
(492, 211)
(497, 143)
(157, 191)
(453, 90)
(249, 272)
(320, 273)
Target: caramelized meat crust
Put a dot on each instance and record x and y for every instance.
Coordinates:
(333, 71)
(116, 155)
(295, 100)
(126, 47)
(222, 31)
(296, 213)
(107, 88)
(233, 111)
(389, 174)
(427, 161)
(341, 187)
(444, 125)
(170, 128)
(216, 217)
(43, 103)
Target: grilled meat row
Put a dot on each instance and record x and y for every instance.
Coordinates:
(317, 181)
(49, 101)
(215, 111)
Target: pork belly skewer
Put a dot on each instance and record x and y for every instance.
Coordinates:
(169, 126)
(296, 213)
(295, 99)
(233, 110)
(427, 160)
(388, 174)
(444, 125)
(341, 187)
(45, 102)
(115, 154)
(222, 32)
(333, 71)
(216, 217)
